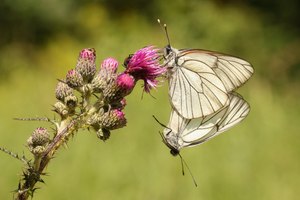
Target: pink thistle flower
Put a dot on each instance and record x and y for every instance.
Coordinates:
(144, 65)
(117, 120)
(120, 115)
(110, 64)
(86, 64)
(125, 83)
(89, 54)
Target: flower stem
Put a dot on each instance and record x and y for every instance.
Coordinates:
(32, 174)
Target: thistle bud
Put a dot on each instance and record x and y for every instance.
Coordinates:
(74, 79)
(71, 101)
(119, 104)
(61, 109)
(86, 64)
(126, 83)
(103, 134)
(110, 120)
(38, 140)
(113, 119)
(123, 86)
(106, 76)
(110, 65)
(62, 91)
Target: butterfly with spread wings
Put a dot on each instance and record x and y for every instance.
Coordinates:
(181, 132)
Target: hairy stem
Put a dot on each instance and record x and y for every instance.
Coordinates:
(32, 174)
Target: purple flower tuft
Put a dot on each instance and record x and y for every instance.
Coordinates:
(144, 65)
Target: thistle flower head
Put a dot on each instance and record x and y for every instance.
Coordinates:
(109, 120)
(62, 91)
(121, 87)
(71, 102)
(39, 137)
(125, 83)
(86, 64)
(144, 65)
(113, 119)
(74, 79)
(88, 54)
(110, 64)
(106, 75)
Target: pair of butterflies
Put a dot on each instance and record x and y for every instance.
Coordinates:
(202, 97)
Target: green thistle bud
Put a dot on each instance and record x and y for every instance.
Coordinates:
(62, 91)
(38, 150)
(74, 79)
(40, 137)
(103, 134)
(86, 64)
(102, 80)
(110, 120)
(113, 119)
(71, 101)
(61, 109)
(38, 140)
(106, 76)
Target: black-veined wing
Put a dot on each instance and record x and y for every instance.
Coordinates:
(199, 80)
(194, 88)
(232, 71)
(183, 132)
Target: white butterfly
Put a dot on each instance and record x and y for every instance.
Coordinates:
(181, 132)
(200, 80)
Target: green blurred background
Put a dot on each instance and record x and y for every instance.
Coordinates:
(259, 159)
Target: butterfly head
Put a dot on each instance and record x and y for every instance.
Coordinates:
(174, 152)
(167, 50)
(171, 140)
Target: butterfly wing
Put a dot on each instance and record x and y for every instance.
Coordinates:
(194, 88)
(232, 71)
(181, 132)
(201, 130)
(172, 130)
(237, 111)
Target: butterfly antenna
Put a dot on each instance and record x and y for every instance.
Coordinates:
(160, 122)
(182, 165)
(165, 29)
